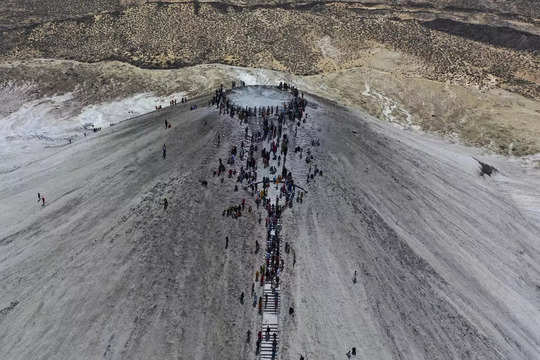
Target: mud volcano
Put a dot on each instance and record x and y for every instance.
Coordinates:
(445, 263)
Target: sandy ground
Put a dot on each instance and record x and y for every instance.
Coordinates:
(447, 261)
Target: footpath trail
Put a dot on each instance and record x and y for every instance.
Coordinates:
(271, 122)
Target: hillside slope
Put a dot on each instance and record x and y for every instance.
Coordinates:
(445, 258)
(103, 271)
(447, 261)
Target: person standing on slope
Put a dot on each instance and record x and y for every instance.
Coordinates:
(164, 151)
(257, 349)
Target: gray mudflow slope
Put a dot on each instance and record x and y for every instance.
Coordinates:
(103, 271)
(448, 268)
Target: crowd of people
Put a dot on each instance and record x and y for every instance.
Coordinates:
(258, 164)
(261, 157)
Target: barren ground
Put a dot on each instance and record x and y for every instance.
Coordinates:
(447, 260)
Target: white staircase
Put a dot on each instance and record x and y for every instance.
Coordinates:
(271, 301)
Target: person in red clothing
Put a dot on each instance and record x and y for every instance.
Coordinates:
(42, 200)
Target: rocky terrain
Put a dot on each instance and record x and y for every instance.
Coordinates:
(21, 12)
(303, 40)
(437, 62)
